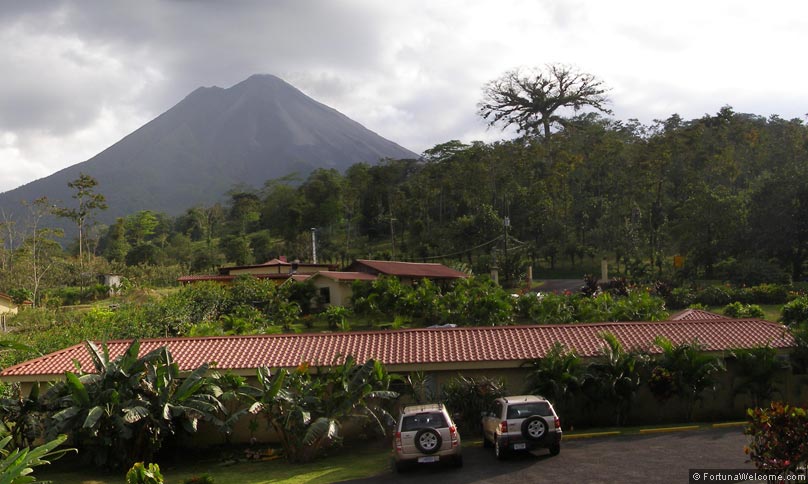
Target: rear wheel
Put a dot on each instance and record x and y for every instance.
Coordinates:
(400, 466)
(555, 449)
(458, 461)
(534, 428)
(428, 441)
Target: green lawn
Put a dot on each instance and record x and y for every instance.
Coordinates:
(350, 462)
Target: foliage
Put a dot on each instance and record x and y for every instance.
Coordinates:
(308, 411)
(336, 316)
(778, 437)
(21, 416)
(796, 312)
(530, 100)
(140, 474)
(615, 377)
(714, 296)
(557, 376)
(741, 310)
(124, 411)
(17, 465)
(757, 369)
(467, 398)
(691, 369)
(680, 298)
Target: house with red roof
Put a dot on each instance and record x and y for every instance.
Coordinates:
(443, 354)
(335, 288)
(406, 272)
(275, 269)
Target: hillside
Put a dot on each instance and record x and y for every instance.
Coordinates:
(213, 139)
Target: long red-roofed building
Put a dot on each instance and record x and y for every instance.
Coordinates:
(453, 349)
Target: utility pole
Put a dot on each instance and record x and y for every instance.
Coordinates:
(392, 236)
(506, 225)
(313, 245)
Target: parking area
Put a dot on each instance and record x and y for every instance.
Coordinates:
(646, 459)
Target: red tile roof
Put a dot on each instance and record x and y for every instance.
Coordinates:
(503, 346)
(228, 278)
(695, 315)
(406, 269)
(346, 276)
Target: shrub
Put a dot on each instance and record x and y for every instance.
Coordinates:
(139, 474)
(751, 272)
(714, 296)
(468, 398)
(17, 465)
(741, 310)
(764, 294)
(779, 437)
(680, 298)
(796, 311)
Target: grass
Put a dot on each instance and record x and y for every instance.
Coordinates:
(350, 462)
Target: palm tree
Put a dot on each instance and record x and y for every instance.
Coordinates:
(616, 377)
(557, 376)
(693, 370)
(756, 369)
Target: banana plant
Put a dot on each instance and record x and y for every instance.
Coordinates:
(122, 413)
(307, 411)
(17, 465)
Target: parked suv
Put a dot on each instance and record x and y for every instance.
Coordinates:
(522, 422)
(426, 433)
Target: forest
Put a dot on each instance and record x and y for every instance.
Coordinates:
(726, 193)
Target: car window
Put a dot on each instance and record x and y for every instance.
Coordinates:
(422, 421)
(524, 410)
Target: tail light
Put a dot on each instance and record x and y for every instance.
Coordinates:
(453, 436)
(399, 447)
(557, 423)
(503, 427)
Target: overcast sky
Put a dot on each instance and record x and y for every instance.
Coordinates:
(78, 76)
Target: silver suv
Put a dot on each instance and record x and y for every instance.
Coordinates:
(426, 433)
(523, 422)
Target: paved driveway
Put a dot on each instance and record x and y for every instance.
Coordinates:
(658, 458)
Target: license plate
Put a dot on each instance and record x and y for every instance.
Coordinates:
(519, 446)
(431, 458)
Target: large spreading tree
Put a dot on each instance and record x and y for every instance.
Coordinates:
(531, 99)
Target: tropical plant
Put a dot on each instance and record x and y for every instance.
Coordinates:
(692, 369)
(308, 411)
(122, 413)
(21, 416)
(17, 465)
(615, 377)
(741, 310)
(757, 369)
(468, 397)
(140, 474)
(778, 437)
(557, 376)
(795, 312)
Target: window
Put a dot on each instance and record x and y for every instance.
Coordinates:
(325, 295)
(431, 420)
(525, 410)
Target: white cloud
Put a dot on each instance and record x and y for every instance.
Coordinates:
(82, 75)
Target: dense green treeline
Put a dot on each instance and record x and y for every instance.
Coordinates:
(726, 191)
